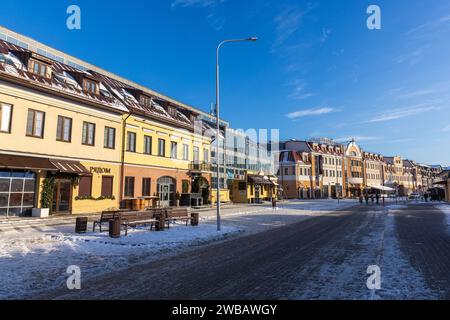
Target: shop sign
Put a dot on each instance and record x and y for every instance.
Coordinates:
(100, 170)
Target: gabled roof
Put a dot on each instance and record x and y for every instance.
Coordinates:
(67, 81)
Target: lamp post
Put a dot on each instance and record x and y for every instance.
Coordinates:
(218, 121)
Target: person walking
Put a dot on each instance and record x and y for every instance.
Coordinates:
(366, 196)
(360, 199)
(377, 196)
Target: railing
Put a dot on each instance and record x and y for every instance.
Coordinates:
(200, 166)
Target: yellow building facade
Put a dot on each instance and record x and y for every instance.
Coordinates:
(97, 162)
(78, 139)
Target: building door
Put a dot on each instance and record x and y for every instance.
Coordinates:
(62, 196)
(166, 191)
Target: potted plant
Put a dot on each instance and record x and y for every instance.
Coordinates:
(177, 198)
(48, 186)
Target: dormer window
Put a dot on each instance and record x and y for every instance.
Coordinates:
(90, 86)
(39, 68)
(146, 101)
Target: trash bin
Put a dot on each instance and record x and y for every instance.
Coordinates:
(195, 218)
(81, 225)
(114, 228)
(161, 221)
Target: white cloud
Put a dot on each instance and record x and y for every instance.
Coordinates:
(309, 112)
(357, 138)
(298, 90)
(287, 23)
(413, 57)
(395, 114)
(325, 34)
(200, 3)
(430, 28)
(210, 6)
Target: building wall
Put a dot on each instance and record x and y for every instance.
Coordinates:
(140, 165)
(373, 173)
(18, 143)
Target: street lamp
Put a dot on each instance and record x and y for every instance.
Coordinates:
(218, 121)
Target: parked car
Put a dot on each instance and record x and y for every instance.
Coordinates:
(414, 196)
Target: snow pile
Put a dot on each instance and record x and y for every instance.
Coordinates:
(30, 266)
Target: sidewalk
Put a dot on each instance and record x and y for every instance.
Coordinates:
(17, 224)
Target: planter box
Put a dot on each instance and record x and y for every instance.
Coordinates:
(40, 212)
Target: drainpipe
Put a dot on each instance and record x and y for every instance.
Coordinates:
(122, 158)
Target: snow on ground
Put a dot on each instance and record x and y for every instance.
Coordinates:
(399, 279)
(29, 266)
(35, 261)
(342, 271)
(319, 204)
(446, 209)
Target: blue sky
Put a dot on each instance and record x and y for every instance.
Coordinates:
(317, 70)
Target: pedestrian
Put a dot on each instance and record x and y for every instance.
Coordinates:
(378, 198)
(366, 196)
(360, 199)
(372, 198)
(426, 196)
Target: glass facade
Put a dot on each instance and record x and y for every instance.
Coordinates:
(17, 193)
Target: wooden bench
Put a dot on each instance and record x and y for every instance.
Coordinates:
(134, 219)
(178, 214)
(105, 218)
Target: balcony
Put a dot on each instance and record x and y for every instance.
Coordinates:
(355, 180)
(200, 167)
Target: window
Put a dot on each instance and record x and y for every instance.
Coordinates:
(88, 134)
(161, 147)
(107, 186)
(173, 150)
(85, 186)
(5, 117)
(147, 145)
(64, 129)
(110, 138)
(185, 152)
(146, 184)
(196, 155)
(35, 123)
(206, 156)
(131, 142)
(129, 187)
(90, 86)
(17, 192)
(39, 68)
(146, 101)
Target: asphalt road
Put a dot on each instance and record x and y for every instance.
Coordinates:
(325, 257)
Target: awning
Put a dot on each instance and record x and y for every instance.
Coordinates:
(258, 180)
(382, 188)
(73, 167)
(26, 163)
